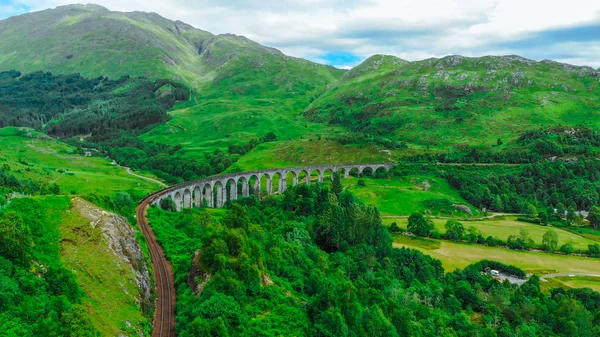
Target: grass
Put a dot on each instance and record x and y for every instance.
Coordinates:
(406, 195)
(110, 287)
(313, 149)
(504, 227)
(33, 155)
(580, 282)
(445, 104)
(457, 255)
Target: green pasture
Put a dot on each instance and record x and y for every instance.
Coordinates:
(459, 255)
(504, 227)
(401, 196)
(36, 156)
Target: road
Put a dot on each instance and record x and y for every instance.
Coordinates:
(129, 171)
(164, 314)
(544, 278)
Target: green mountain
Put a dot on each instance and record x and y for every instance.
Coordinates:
(458, 101)
(242, 89)
(95, 41)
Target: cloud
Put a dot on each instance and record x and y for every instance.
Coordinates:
(10, 8)
(318, 29)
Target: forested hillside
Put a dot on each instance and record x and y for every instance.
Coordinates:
(316, 263)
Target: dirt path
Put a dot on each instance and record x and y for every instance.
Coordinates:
(129, 171)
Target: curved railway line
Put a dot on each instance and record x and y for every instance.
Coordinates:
(164, 313)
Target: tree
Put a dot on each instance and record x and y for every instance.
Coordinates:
(594, 217)
(15, 238)
(454, 230)
(594, 250)
(526, 238)
(473, 234)
(168, 204)
(336, 184)
(122, 200)
(419, 225)
(550, 240)
(567, 248)
(394, 228)
(532, 211)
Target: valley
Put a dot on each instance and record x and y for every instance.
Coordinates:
(494, 165)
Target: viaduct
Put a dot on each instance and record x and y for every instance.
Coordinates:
(217, 190)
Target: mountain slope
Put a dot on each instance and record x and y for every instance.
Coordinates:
(94, 41)
(242, 89)
(454, 101)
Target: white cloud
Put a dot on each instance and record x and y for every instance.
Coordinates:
(407, 28)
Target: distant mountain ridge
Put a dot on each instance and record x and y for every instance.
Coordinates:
(241, 89)
(94, 41)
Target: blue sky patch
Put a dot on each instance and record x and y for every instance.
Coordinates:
(10, 8)
(341, 58)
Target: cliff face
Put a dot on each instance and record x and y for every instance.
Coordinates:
(102, 250)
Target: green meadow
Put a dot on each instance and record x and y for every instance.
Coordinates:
(503, 227)
(402, 196)
(31, 154)
(459, 255)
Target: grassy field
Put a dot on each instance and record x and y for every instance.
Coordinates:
(109, 285)
(406, 195)
(504, 227)
(309, 151)
(458, 255)
(579, 282)
(33, 155)
(216, 125)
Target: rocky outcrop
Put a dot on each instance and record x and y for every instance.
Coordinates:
(463, 208)
(122, 241)
(197, 276)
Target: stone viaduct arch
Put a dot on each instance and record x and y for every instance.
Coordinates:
(217, 190)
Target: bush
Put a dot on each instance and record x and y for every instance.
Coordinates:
(361, 182)
(594, 250)
(567, 248)
(394, 228)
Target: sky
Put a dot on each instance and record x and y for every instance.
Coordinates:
(343, 33)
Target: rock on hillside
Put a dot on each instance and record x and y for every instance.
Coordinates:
(121, 239)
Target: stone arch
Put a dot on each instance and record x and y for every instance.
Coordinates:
(187, 198)
(354, 171)
(278, 182)
(266, 183)
(380, 171)
(217, 191)
(231, 190)
(291, 178)
(304, 176)
(207, 195)
(244, 186)
(254, 184)
(196, 196)
(178, 200)
(367, 171)
(328, 173)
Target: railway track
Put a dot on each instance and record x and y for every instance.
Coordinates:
(164, 314)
